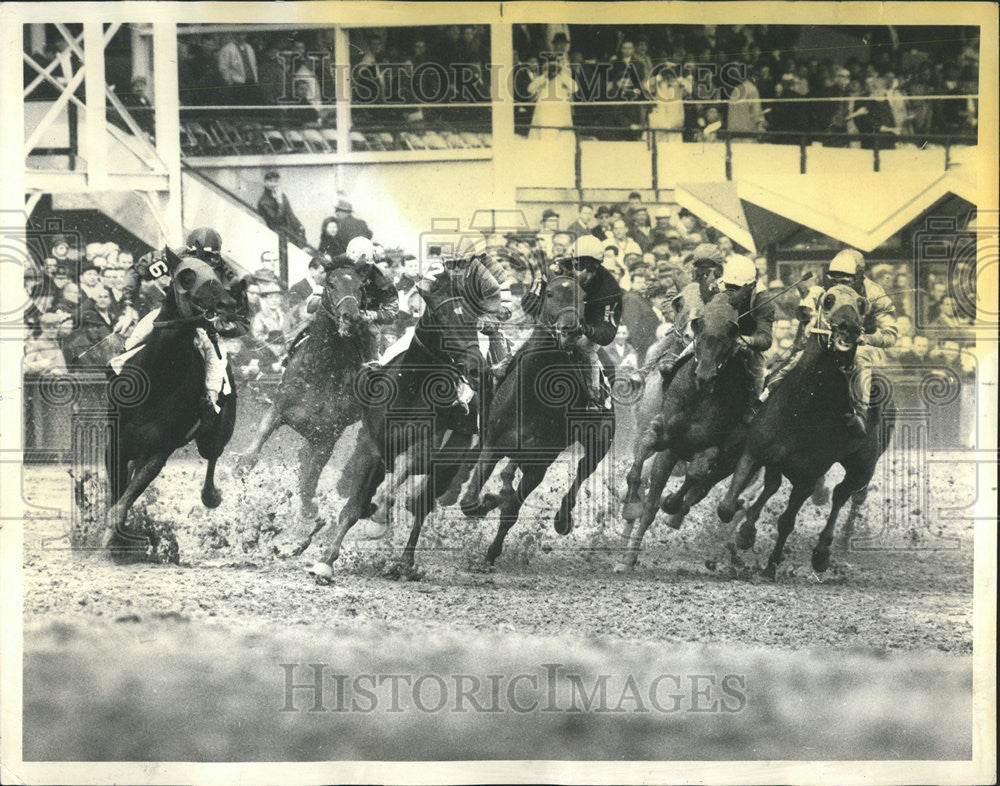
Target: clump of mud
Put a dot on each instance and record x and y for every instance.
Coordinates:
(148, 538)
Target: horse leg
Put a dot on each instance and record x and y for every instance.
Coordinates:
(786, 523)
(146, 469)
(645, 447)
(246, 461)
(851, 483)
(595, 448)
(473, 504)
(365, 480)
(663, 465)
(441, 472)
(746, 469)
(116, 465)
(510, 505)
(747, 533)
(451, 494)
(313, 457)
(858, 499)
(211, 497)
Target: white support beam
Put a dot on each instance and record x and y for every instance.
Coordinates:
(63, 181)
(342, 75)
(142, 53)
(166, 99)
(94, 132)
(504, 159)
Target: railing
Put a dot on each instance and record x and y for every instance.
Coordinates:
(874, 144)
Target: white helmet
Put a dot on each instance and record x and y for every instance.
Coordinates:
(361, 248)
(739, 271)
(845, 262)
(588, 246)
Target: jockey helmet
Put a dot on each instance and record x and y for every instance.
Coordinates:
(843, 269)
(707, 255)
(205, 240)
(739, 271)
(588, 250)
(361, 250)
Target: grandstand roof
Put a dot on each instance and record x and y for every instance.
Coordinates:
(759, 211)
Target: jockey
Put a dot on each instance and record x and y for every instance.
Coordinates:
(205, 244)
(708, 266)
(379, 301)
(756, 320)
(879, 331)
(602, 312)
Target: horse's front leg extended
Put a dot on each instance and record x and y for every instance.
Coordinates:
(146, 470)
(649, 440)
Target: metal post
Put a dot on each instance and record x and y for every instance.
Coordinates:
(877, 163)
(283, 258)
(502, 116)
(802, 155)
(342, 80)
(729, 158)
(654, 160)
(168, 122)
(97, 113)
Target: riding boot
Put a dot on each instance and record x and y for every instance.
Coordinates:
(207, 410)
(595, 399)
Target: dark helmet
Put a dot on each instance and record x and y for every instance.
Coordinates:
(204, 241)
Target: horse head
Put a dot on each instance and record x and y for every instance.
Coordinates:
(457, 300)
(840, 318)
(563, 308)
(343, 287)
(200, 293)
(716, 338)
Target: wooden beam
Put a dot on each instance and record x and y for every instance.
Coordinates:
(167, 120)
(97, 113)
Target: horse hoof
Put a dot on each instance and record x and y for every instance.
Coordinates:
(309, 510)
(676, 520)
(725, 512)
(491, 555)
(621, 567)
(820, 560)
(450, 496)
(745, 538)
(671, 504)
(631, 510)
(211, 498)
(322, 572)
(771, 571)
(563, 523)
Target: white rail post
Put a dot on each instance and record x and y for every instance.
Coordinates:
(166, 101)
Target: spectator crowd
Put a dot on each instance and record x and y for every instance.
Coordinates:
(693, 81)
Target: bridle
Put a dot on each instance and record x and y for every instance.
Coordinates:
(822, 327)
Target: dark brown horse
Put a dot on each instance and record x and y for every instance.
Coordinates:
(154, 402)
(315, 396)
(538, 410)
(800, 433)
(421, 410)
(699, 421)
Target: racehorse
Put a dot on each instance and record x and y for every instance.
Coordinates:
(800, 432)
(699, 420)
(532, 420)
(315, 396)
(419, 410)
(154, 401)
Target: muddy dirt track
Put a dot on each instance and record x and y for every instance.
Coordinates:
(871, 660)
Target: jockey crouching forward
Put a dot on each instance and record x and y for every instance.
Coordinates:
(879, 332)
(707, 262)
(602, 314)
(756, 322)
(379, 301)
(204, 244)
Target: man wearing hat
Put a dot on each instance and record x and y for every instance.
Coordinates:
(662, 218)
(348, 225)
(277, 211)
(602, 229)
